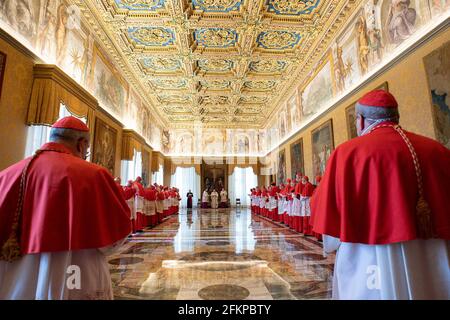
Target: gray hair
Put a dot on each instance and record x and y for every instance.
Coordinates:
(67, 135)
(374, 114)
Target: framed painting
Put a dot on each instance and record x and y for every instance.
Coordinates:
(2, 70)
(281, 172)
(104, 148)
(322, 146)
(350, 115)
(437, 66)
(297, 158)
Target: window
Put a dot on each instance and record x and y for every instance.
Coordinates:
(186, 179)
(39, 135)
(130, 170)
(240, 183)
(158, 177)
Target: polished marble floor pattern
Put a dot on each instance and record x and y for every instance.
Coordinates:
(223, 254)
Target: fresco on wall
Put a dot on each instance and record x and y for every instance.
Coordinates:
(437, 65)
(297, 158)
(22, 16)
(242, 145)
(282, 123)
(165, 141)
(439, 6)
(399, 19)
(184, 142)
(294, 111)
(104, 151)
(347, 68)
(261, 141)
(318, 91)
(322, 146)
(145, 123)
(213, 142)
(56, 32)
(156, 139)
(131, 112)
(109, 90)
(281, 172)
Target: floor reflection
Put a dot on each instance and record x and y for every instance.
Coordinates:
(221, 254)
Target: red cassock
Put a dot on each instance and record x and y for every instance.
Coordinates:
(166, 196)
(69, 204)
(150, 195)
(298, 221)
(307, 191)
(129, 192)
(160, 197)
(369, 191)
(140, 222)
(273, 213)
(258, 194)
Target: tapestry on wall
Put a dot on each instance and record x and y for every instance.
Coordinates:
(297, 159)
(281, 172)
(322, 146)
(104, 151)
(437, 65)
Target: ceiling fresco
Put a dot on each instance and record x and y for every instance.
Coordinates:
(223, 63)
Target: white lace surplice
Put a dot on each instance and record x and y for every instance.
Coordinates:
(47, 276)
(418, 269)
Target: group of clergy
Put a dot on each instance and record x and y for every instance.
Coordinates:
(288, 203)
(149, 206)
(212, 200)
(382, 205)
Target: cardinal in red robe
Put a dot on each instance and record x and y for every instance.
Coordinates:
(384, 205)
(57, 212)
(273, 202)
(140, 222)
(130, 194)
(307, 192)
(296, 204)
(258, 200)
(150, 197)
(160, 203)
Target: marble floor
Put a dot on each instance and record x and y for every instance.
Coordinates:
(224, 254)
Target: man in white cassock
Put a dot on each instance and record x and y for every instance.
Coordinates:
(383, 205)
(223, 198)
(205, 199)
(214, 199)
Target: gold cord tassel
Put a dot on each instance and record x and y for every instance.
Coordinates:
(11, 250)
(424, 224)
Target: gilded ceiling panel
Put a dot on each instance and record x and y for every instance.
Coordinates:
(196, 58)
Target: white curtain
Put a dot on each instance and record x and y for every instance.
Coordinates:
(38, 135)
(158, 177)
(186, 179)
(130, 170)
(240, 183)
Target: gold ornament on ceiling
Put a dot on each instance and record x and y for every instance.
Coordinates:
(186, 52)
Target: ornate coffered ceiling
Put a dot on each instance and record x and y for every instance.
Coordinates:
(224, 63)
